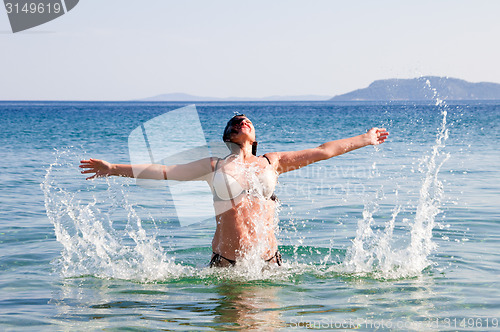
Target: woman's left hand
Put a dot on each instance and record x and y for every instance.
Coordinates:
(377, 136)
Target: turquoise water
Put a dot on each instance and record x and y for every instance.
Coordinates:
(402, 236)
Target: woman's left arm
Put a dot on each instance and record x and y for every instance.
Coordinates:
(291, 160)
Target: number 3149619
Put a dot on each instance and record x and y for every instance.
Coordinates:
(33, 8)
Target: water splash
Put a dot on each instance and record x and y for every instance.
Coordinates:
(373, 253)
(92, 242)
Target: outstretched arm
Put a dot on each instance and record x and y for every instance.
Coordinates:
(289, 161)
(194, 171)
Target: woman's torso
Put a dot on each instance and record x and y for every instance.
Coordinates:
(245, 210)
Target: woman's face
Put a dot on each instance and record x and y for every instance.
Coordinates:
(242, 129)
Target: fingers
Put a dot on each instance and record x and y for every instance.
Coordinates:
(90, 161)
(378, 131)
(381, 132)
(381, 139)
(379, 135)
(89, 166)
(86, 164)
(91, 177)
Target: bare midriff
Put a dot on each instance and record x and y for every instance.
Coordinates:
(248, 224)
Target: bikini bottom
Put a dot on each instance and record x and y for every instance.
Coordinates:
(216, 260)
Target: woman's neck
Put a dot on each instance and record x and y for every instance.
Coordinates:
(243, 150)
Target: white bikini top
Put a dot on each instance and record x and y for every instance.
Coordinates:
(225, 187)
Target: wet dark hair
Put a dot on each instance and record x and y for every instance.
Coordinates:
(226, 136)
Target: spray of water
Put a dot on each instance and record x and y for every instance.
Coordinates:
(372, 253)
(92, 243)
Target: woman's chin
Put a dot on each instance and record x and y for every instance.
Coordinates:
(243, 137)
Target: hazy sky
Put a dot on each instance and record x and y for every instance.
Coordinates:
(121, 50)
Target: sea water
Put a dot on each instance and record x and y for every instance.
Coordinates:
(399, 236)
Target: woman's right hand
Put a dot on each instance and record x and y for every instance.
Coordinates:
(99, 167)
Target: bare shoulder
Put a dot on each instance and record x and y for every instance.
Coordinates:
(273, 157)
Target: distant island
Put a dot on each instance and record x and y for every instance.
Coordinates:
(423, 89)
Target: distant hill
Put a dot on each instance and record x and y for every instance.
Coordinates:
(187, 97)
(413, 89)
(422, 89)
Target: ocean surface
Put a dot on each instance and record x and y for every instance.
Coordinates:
(403, 236)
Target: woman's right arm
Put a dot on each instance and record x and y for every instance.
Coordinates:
(194, 171)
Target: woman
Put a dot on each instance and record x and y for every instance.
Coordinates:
(242, 185)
